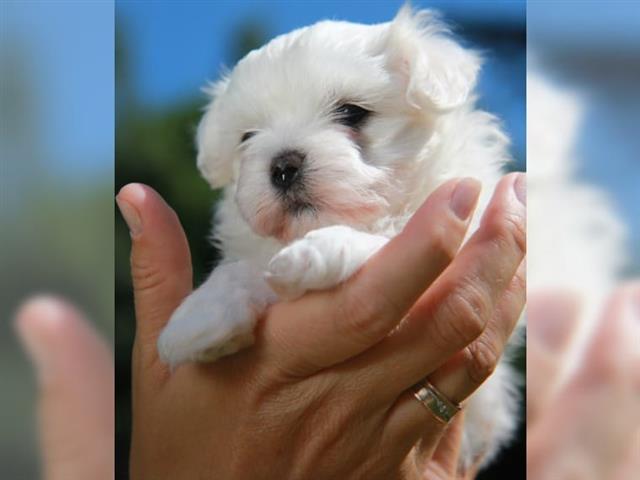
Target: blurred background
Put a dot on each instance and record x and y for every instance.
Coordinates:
(590, 51)
(583, 148)
(56, 186)
(167, 51)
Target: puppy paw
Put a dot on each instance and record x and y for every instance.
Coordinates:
(198, 332)
(320, 260)
(295, 269)
(218, 318)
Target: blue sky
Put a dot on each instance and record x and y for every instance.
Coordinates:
(175, 48)
(604, 40)
(69, 56)
(184, 43)
(584, 24)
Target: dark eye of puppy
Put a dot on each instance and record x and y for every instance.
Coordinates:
(351, 115)
(247, 135)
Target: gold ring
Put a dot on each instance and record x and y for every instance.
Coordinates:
(433, 400)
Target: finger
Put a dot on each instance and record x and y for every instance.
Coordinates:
(460, 376)
(456, 309)
(595, 417)
(613, 352)
(630, 462)
(466, 371)
(551, 322)
(76, 389)
(350, 319)
(160, 263)
(442, 463)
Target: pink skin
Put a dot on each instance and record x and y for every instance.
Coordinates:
(274, 222)
(303, 415)
(75, 376)
(335, 203)
(587, 426)
(271, 220)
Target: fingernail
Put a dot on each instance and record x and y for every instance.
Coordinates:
(552, 320)
(131, 216)
(520, 188)
(34, 322)
(551, 333)
(464, 197)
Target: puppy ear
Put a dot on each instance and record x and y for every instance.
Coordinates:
(214, 163)
(438, 72)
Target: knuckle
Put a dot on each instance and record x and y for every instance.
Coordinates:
(144, 276)
(605, 371)
(481, 360)
(364, 314)
(519, 283)
(466, 313)
(442, 244)
(509, 232)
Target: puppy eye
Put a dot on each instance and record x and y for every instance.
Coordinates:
(247, 135)
(351, 115)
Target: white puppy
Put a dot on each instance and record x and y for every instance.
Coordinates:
(327, 140)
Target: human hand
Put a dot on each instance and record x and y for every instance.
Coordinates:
(75, 377)
(323, 393)
(588, 426)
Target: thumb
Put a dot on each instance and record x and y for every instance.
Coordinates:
(76, 390)
(160, 262)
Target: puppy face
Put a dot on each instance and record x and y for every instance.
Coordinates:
(326, 125)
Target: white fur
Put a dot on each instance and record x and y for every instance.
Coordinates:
(576, 242)
(233, 298)
(363, 186)
(322, 259)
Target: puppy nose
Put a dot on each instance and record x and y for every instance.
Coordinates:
(285, 169)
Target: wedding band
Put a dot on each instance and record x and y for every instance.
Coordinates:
(433, 400)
